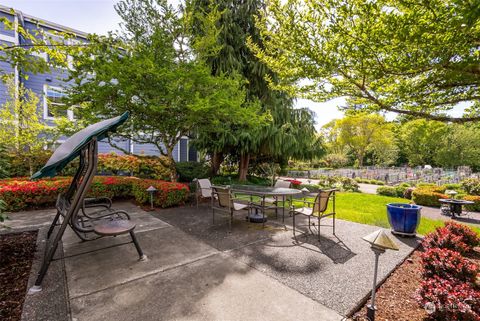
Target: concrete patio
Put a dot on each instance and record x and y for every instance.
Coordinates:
(200, 271)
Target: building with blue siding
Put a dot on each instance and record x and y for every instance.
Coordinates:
(48, 86)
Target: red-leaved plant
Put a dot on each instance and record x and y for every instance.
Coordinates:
(443, 238)
(469, 237)
(447, 264)
(449, 299)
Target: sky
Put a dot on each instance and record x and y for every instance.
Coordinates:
(99, 16)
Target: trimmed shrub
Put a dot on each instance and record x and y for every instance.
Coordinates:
(453, 300)
(474, 198)
(454, 186)
(425, 185)
(369, 181)
(387, 191)
(428, 196)
(188, 171)
(21, 194)
(394, 191)
(448, 264)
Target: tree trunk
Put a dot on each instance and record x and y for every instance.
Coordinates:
(217, 160)
(360, 160)
(243, 167)
(171, 165)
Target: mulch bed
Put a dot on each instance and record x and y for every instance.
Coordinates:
(16, 256)
(395, 299)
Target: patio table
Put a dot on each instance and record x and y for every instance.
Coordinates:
(455, 205)
(262, 192)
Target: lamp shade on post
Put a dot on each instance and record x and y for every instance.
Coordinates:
(379, 242)
(151, 190)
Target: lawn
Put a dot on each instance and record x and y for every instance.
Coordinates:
(371, 210)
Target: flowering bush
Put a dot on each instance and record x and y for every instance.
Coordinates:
(295, 182)
(444, 239)
(140, 166)
(22, 194)
(448, 264)
(448, 299)
(167, 194)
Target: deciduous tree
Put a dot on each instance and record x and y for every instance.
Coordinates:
(151, 70)
(417, 58)
(22, 132)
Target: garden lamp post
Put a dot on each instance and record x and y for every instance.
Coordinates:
(379, 242)
(151, 190)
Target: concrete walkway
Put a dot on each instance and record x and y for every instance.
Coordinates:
(200, 271)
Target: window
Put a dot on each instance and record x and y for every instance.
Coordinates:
(53, 105)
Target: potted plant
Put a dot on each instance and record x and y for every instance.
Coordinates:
(404, 218)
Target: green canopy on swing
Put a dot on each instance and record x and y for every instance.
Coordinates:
(72, 147)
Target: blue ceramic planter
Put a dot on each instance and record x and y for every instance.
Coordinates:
(404, 218)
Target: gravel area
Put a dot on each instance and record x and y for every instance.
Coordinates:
(336, 271)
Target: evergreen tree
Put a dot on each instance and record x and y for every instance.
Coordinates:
(290, 132)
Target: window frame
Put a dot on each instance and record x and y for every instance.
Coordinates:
(46, 116)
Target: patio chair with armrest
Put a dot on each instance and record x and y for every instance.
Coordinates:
(87, 225)
(319, 209)
(224, 202)
(273, 202)
(203, 190)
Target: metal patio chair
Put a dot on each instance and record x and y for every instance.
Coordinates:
(272, 202)
(90, 219)
(319, 208)
(203, 190)
(223, 201)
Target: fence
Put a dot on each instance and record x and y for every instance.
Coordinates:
(394, 175)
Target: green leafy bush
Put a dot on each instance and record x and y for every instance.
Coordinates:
(369, 181)
(425, 185)
(471, 186)
(313, 188)
(3, 216)
(188, 171)
(233, 180)
(108, 164)
(387, 191)
(344, 184)
(453, 186)
(4, 163)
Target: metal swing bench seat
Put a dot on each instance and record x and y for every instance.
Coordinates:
(89, 218)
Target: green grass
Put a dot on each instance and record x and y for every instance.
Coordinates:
(371, 210)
